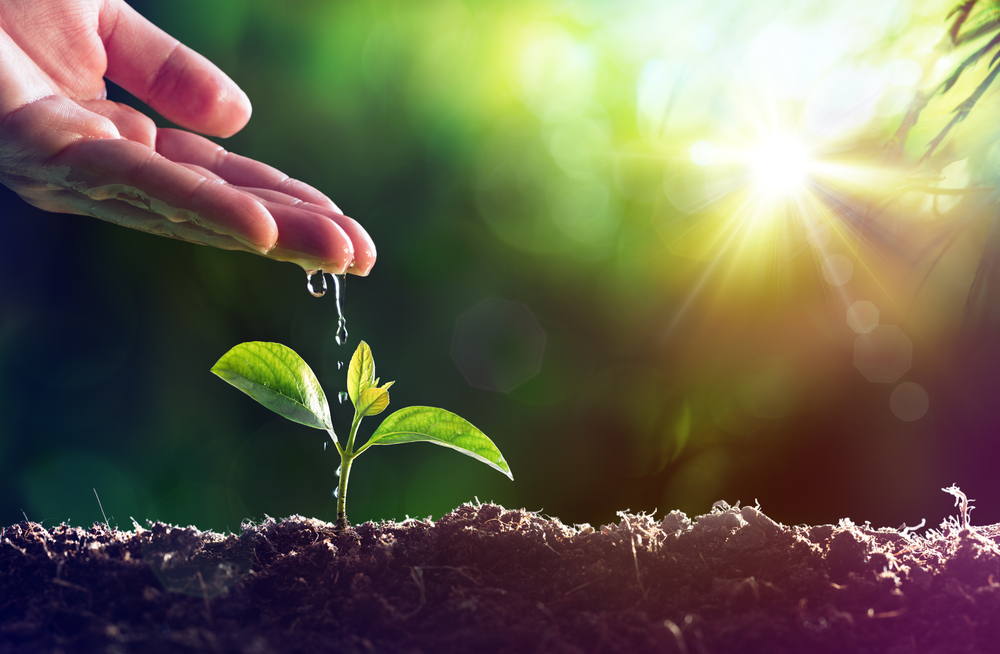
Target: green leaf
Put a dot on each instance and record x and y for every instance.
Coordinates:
(433, 425)
(373, 401)
(278, 378)
(361, 372)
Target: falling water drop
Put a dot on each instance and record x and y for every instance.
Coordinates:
(339, 289)
(342, 396)
(314, 277)
(316, 285)
(324, 446)
(340, 364)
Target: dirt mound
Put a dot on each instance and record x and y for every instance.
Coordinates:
(485, 579)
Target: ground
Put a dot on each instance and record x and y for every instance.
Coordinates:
(484, 579)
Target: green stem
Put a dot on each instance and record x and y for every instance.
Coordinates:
(347, 456)
(336, 442)
(345, 471)
(353, 433)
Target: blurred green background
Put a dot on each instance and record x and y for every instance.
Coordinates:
(583, 250)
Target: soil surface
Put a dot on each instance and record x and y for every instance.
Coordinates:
(484, 579)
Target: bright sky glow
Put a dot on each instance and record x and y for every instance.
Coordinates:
(754, 139)
(703, 153)
(902, 72)
(702, 37)
(780, 165)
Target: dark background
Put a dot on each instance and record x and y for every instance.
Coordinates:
(666, 381)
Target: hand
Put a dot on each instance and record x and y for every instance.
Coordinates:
(65, 148)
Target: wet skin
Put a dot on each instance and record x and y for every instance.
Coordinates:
(65, 148)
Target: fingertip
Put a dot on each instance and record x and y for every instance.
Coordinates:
(182, 85)
(363, 266)
(233, 105)
(217, 106)
(363, 245)
(310, 242)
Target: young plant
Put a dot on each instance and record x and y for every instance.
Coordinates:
(278, 378)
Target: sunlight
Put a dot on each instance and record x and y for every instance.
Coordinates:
(780, 165)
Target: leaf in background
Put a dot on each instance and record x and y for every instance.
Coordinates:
(433, 425)
(373, 401)
(361, 372)
(278, 378)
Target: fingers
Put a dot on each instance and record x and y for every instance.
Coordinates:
(128, 215)
(296, 243)
(104, 169)
(31, 135)
(132, 124)
(178, 145)
(189, 202)
(310, 242)
(177, 82)
(362, 244)
(204, 172)
(278, 192)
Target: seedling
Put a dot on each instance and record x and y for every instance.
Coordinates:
(278, 378)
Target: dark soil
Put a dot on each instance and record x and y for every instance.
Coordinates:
(484, 579)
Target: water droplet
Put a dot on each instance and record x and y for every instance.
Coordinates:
(342, 396)
(316, 283)
(339, 290)
(338, 470)
(336, 492)
(340, 364)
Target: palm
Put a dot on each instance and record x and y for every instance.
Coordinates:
(64, 148)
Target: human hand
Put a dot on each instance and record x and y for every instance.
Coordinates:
(65, 148)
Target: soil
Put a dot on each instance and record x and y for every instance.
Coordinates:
(484, 579)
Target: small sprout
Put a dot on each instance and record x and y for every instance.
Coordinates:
(278, 378)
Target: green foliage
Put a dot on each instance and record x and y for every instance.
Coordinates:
(361, 372)
(373, 401)
(432, 425)
(278, 378)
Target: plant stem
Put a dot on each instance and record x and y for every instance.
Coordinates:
(346, 458)
(345, 471)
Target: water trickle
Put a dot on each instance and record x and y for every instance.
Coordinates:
(316, 283)
(342, 396)
(339, 290)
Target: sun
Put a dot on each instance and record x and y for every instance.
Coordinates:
(763, 196)
(780, 165)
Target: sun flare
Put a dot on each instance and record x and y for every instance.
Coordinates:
(767, 197)
(780, 165)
